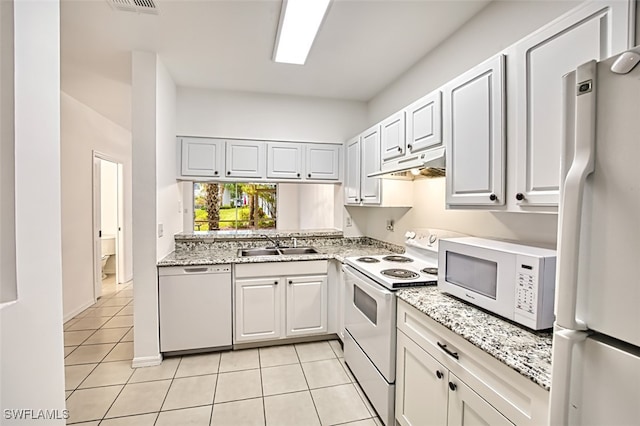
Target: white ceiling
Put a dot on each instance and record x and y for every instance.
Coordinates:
(362, 46)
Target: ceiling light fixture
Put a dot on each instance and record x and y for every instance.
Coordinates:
(299, 23)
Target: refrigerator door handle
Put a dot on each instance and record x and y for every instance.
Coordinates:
(564, 343)
(583, 165)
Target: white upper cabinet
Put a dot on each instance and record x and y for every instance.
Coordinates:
(245, 159)
(370, 163)
(363, 158)
(202, 157)
(284, 160)
(322, 161)
(352, 171)
(424, 123)
(596, 30)
(392, 136)
(473, 116)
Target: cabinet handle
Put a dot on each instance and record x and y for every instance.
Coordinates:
(448, 351)
(290, 282)
(453, 386)
(399, 149)
(439, 374)
(195, 270)
(228, 173)
(298, 175)
(519, 196)
(275, 282)
(309, 175)
(215, 173)
(493, 197)
(409, 146)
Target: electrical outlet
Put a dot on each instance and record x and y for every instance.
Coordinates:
(160, 230)
(390, 225)
(349, 223)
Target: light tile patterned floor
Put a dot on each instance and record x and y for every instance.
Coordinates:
(302, 384)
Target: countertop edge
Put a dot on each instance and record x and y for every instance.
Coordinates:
(539, 372)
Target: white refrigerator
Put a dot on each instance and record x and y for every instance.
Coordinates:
(596, 346)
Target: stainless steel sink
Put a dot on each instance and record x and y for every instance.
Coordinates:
(263, 251)
(298, 250)
(260, 251)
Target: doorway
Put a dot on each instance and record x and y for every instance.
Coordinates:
(107, 224)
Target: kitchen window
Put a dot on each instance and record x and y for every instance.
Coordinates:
(237, 205)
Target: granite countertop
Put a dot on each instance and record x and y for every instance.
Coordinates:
(227, 253)
(527, 352)
(250, 234)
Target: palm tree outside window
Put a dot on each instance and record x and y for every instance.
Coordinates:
(237, 205)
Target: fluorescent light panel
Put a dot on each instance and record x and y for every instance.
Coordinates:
(299, 25)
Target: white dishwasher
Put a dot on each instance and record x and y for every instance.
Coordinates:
(195, 307)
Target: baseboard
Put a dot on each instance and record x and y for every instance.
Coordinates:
(146, 361)
(76, 311)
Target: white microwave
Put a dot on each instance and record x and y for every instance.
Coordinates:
(514, 281)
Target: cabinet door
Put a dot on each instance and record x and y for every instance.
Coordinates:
(424, 123)
(202, 157)
(596, 31)
(467, 408)
(421, 386)
(322, 161)
(306, 305)
(370, 163)
(392, 136)
(258, 309)
(352, 171)
(245, 159)
(284, 160)
(474, 136)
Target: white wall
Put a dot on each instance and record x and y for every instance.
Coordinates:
(156, 195)
(8, 290)
(496, 27)
(429, 212)
(169, 208)
(306, 206)
(243, 115)
(84, 131)
(108, 197)
(31, 353)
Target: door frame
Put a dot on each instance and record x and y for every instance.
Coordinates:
(97, 157)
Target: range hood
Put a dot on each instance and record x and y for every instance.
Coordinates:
(433, 158)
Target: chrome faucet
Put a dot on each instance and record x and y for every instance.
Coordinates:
(294, 241)
(276, 242)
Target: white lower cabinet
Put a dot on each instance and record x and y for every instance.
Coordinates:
(258, 309)
(306, 305)
(442, 379)
(280, 300)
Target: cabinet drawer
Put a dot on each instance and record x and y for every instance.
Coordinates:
(303, 267)
(517, 398)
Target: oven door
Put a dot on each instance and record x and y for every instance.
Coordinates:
(370, 317)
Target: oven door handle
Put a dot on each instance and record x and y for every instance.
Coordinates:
(370, 285)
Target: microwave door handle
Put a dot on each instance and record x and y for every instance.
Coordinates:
(368, 286)
(583, 165)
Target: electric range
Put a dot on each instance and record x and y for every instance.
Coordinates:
(370, 312)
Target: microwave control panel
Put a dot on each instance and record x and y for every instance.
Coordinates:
(527, 284)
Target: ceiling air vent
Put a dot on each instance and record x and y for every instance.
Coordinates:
(140, 6)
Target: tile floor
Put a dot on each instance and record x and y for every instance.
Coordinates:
(301, 384)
